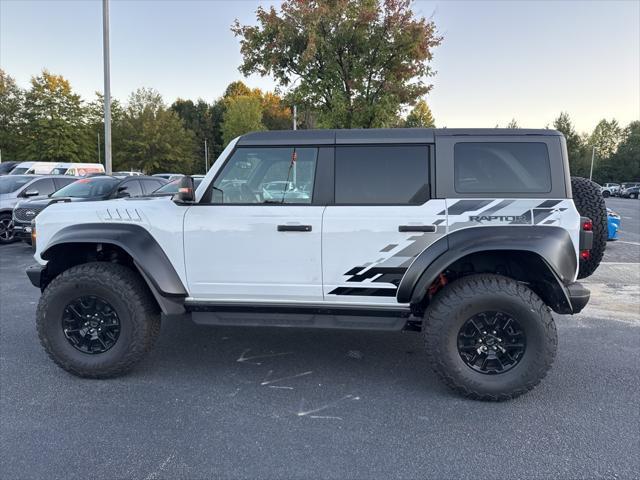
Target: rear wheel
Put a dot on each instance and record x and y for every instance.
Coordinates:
(97, 320)
(6, 228)
(489, 337)
(589, 201)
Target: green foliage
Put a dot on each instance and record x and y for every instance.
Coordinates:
(420, 116)
(354, 62)
(54, 121)
(576, 148)
(11, 103)
(243, 114)
(625, 163)
(606, 137)
(151, 137)
(197, 118)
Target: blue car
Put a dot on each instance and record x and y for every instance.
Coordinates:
(613, 224)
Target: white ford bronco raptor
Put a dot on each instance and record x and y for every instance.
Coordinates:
(469, 236)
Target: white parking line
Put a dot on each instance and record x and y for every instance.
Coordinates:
(628, 243)
(619, 263)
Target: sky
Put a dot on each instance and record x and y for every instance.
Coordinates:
(499, 60)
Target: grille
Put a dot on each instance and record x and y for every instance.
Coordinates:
(26, 214)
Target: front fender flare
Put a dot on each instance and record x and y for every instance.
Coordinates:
(552, 244)
(148, 256)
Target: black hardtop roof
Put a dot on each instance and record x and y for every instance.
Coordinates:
(377, 135)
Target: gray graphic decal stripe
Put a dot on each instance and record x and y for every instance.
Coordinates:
(463, 206)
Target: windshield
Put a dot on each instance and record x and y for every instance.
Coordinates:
(19, 170)
(88, 187)
(10, 183)
(172, 187)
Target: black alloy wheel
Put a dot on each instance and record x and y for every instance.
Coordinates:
(90, 324)
(6, 229)
(491, 342)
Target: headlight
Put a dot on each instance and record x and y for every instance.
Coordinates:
(33, 234)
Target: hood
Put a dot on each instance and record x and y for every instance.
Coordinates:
(7, 201)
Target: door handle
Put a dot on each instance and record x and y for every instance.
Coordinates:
(417, 228)
(294, 228)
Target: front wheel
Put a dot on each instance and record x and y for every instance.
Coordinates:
(97, 320)
(489, 337)
(6, 228)
(606, 194)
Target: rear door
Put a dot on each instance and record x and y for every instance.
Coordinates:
(383, 217)
(63, 182)
(151, 185)
(43, 186)
(130, 188)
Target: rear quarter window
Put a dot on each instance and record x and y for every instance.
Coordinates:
(501, 167)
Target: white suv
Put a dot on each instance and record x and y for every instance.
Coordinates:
(469, 236)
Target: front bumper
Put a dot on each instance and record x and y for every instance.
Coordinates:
(22, 230)
(578, 296)
(36, 275)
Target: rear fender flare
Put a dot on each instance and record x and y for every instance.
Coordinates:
(552, 244)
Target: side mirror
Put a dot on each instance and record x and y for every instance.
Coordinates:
(186, 190)
(31, 193)
(122, 192)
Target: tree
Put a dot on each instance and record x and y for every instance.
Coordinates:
(150, 137)
(356, 62)
(606, 137)
(420, 116)
(513, 124)
(237, 89)
(243, 114)
(95, 124)
(11, 102)
(275, 115)
(626, 161)
(575, 145)
(55, 128)
(197, 118)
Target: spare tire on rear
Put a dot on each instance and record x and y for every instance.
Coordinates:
(587, 197)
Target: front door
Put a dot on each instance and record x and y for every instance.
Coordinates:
(382, 219)
(257, 236)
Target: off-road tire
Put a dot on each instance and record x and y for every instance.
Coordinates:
(6, 218)
(589, 202)
(130, 297)
(462, 299)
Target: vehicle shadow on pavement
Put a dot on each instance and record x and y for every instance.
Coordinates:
(262, 354)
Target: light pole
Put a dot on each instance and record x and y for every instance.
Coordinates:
(107, 87)
(593, 154)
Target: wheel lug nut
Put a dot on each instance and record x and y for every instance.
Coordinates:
(494, 332)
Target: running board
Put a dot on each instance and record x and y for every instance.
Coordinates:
(265, 315)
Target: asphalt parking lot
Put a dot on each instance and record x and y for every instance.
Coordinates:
(278, 403)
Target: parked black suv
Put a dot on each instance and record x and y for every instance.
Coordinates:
(87, 189)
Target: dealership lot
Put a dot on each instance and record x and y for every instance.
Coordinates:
(279, 403)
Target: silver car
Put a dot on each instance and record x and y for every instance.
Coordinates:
(14, 188)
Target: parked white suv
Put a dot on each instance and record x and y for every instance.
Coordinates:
(610, 189)
(469, 236)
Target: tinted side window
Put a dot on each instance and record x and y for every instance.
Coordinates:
(267, 175)
(501, 167)
(382, 175)
(44, 186)
(132, 188)
(63, 182)
(151, 185)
